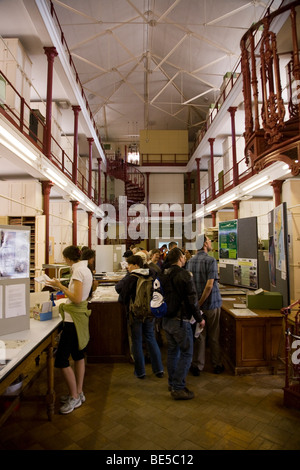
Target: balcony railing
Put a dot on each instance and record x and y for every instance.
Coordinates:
(32, 125)
(271, 87)
(224, 93)
(225, 182)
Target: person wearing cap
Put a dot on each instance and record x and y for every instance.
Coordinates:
(205, 271)
(127, 254)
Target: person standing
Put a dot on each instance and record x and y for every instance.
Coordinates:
(154, 259)
(166, 263)
(205, 272)
(75, 334)
(126, 288)
(90, 255)
(182, 303)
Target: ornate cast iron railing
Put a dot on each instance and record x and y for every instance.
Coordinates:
(272, 114)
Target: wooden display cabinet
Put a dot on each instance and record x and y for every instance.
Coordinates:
(108, 333)
(251, 344)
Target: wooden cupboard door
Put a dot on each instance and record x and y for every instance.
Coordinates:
(108, 333)
(228, 336)
(253, 344)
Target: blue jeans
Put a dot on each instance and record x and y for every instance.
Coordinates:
(180, 351)
(146, 328)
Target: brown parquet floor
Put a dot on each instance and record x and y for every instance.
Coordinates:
(123, 413)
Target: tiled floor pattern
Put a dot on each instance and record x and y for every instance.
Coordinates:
(124, 413)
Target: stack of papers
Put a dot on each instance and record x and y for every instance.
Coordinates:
(105, 294)
(243, 312)
(43, 279)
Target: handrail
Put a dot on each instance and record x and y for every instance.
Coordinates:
(286, 311)
(64, 43)
(19, 116)
(268, 17)
(226, 183)
(270, 120)
(127, 172)
(224, 95)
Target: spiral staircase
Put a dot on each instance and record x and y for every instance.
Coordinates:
(134, 182)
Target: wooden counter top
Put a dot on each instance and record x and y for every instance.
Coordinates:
(250, 338)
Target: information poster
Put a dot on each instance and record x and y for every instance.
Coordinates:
(272, 263)
(279, 244)
(15, 300)
(14, 253)
(228, 239)
(245, 273)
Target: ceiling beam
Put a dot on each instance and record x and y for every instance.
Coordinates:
(73, 10)
(137, 10)
(229, 14)
(134, 57)
(168, 11)
(82, 59)
(172, 50)
(164, 87)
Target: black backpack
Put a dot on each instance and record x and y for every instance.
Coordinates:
(149, 299)
(171, 295)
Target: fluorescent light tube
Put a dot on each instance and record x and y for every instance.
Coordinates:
(78, 196)
(256, 184)
(56, 178)
(13, 144)
(209, 208)
(228, 198)
(286, 169)
(15, 151)
(199, 214)
(90, 205)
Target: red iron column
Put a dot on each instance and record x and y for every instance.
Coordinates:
(214, 218)
(51, 53)
(75, 205)
(90, 216)
(277, 185)
(212, 170)
(99, 160)
(236, 205)
(76, 110)
(90, 141)
(105, 187)
(198, 180)
(188, 187)
(232, 111)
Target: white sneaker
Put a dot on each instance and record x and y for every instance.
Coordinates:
(65, 398)
(70, 405)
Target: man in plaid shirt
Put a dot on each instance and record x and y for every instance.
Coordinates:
(205, 271)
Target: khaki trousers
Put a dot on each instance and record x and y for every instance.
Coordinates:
(210, 334)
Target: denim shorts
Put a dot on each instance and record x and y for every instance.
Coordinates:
(68, 345)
